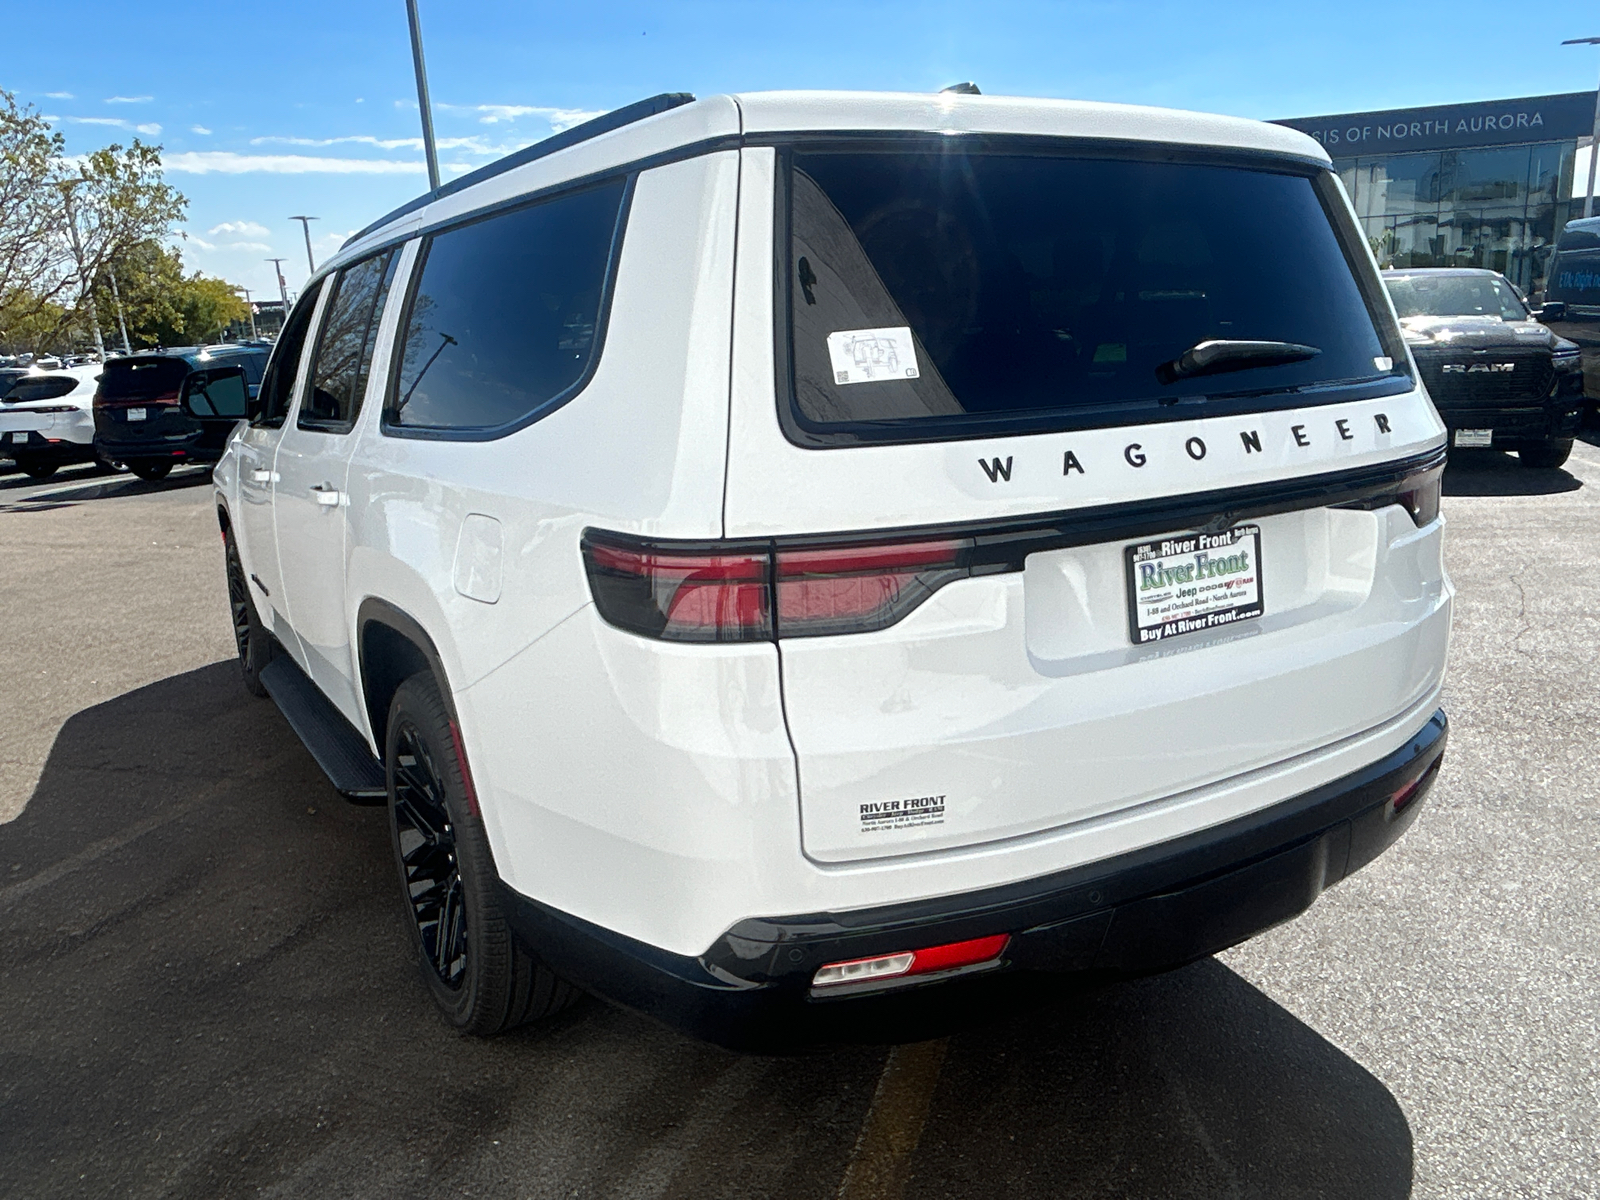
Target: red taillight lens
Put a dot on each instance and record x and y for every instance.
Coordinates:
(682, 597)
(912, 962)
(1419, 494)
(852, 589)
(736, 593)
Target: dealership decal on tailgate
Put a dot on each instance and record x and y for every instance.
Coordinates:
(1194, 582)
(902, 814)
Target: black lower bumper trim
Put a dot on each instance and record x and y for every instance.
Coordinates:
(1141, 912)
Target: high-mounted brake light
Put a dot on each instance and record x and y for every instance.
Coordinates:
(736, 593)
(947, 957)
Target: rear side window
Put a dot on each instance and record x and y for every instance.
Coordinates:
(277, 384)
(143, 378)
(345, 345)
(935, 293)
(46, 388)
(1575, 274)
(506, 318)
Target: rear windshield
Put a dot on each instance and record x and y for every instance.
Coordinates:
(949, 292)
(142, 378)
(1454, 296)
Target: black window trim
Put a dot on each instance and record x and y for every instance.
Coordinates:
(489, 433)
(810, 435)
(312, 291)
(374, 320)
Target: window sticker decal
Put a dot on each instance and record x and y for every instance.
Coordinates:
(872, 355)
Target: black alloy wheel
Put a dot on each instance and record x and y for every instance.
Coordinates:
(33, 468)
(250, 636)
(151, 469)
(427, 847)
(480, 976)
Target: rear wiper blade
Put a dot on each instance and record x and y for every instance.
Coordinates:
(1216, 356)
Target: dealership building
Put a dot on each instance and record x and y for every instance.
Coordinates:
(1465, 185)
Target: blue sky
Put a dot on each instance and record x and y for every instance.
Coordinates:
(298, 107)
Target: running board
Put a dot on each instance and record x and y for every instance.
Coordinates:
(339, 749)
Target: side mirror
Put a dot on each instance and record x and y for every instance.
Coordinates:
(1551, 310)
(221, 393)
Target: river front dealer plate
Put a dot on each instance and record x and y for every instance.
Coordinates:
(1192, 582)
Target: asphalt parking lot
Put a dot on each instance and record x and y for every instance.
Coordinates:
(206, 989)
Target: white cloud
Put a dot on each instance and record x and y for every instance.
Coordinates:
(197, 240)
(150, 130)
(240, 229)
(199, 129)
(129, 99)
(472, 145)
(61, 95)
(263, 246)
(494, 114)
(226, 162)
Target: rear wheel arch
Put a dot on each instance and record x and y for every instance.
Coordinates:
(224, 520)
(391, 647)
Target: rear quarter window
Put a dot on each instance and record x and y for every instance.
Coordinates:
(42, 388)
(935, 293)
(506, 317)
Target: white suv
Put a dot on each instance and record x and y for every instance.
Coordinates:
(47, 419)
(774, 552)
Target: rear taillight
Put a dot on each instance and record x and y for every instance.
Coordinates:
(681, 596)
(164, 400)
(740, 593)
(1419, 495)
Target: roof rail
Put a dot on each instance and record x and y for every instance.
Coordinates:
(605, 123)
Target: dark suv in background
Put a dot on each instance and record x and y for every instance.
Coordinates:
(1498, 377)
(162, 408)
(1572, 296)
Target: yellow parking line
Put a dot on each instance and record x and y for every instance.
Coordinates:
(881, 1161)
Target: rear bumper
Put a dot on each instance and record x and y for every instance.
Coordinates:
(1145, 911)
(188, 450)
(41, 447)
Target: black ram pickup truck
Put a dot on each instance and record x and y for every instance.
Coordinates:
(1497, 376)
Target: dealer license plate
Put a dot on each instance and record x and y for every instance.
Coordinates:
(1193, 582)
(136, 414)
(1474, 437)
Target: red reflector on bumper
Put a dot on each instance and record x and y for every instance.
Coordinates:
(912, 962)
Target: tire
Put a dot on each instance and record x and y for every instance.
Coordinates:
(255, 644)
(34, 469)
(1546, 455)
(480, 977)
(150, 469)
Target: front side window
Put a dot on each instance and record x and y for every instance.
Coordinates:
(1455, 296)
(277, 384)
(945, 292)
(345, 345)
(506, 318)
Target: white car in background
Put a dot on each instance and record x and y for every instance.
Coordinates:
(778, 552)
(47, 419)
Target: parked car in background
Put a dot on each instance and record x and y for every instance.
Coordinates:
(47, 419)
(1498, 377)
(1572, 296)
(159, 409)
(774, 553)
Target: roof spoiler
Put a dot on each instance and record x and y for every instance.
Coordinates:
(605, 123)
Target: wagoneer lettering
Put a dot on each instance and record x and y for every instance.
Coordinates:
(754, 679)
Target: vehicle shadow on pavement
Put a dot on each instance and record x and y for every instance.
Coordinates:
(1497, 473)
(98, 485)
(209, 993)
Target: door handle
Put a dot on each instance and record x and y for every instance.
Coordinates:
(260, 476)
(327, 495)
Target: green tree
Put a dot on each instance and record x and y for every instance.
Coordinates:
(34, 259)
(161, 305)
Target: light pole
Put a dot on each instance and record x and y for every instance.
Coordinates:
(305, 225)
(254, 336)
(122, 321)
(1594, 134)
(423, 103)
(283, 291)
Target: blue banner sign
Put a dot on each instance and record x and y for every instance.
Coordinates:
(1453, 126)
